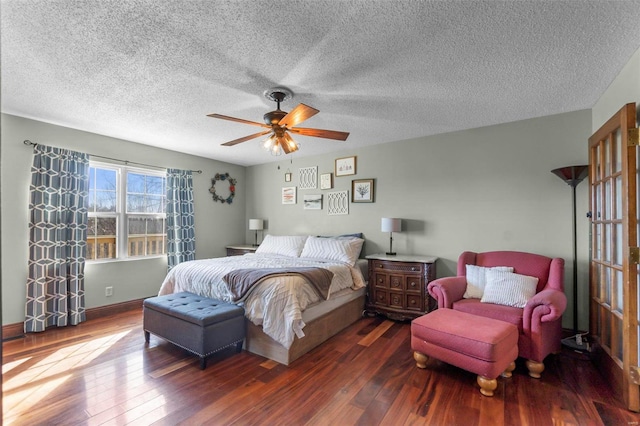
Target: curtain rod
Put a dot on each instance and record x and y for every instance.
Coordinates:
(126, 162)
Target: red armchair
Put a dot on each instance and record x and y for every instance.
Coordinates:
(539, 322)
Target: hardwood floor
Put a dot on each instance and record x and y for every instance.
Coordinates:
(101, 372)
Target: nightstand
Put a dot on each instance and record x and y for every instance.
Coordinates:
(398, 285)
(240, 249)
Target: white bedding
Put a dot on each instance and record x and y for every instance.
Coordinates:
(277, 302)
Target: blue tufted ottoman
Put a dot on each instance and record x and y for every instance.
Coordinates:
(195, 323)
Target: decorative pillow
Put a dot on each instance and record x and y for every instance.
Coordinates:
(508, 288)
(477, 278)
(285, 245)
(341, 249)
(356, 235)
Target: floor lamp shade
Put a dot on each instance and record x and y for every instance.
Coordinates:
(391, 225)
(572, 175)
(256, 225)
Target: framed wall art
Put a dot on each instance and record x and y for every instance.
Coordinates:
(287, 177)
(362, 191)
(308, 178)
(345, 166)
(326, 181)
(313, 201)
(289, 195)
(338, 203)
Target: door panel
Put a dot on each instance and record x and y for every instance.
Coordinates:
(613, 310)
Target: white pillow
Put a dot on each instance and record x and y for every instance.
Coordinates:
(285, 245)
(477, 278)
(508, 288)
(344, 250)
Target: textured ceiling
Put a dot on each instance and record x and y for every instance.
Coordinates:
(150, 71)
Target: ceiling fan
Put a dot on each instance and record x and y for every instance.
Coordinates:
(279, 123)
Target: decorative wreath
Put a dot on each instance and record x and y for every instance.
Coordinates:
(232, 188)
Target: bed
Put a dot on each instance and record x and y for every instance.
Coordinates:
(286, 315)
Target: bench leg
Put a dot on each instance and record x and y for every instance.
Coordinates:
(507, 372)
(487, 385)
(146, 336)
(203, 363)
(421, 359)
(239, 346)
(535, 368)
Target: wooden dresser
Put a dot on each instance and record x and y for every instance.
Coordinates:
(398, 285)
(240, 249)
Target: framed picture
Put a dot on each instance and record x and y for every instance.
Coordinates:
(287, 177)
(338, 203)
(326, 181)
(362, 191)
(313, 202)
(345, 166)
(289, 195)
(308, 178)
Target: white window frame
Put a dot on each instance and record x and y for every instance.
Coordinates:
(121, 214)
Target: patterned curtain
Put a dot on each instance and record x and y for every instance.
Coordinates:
(57, 238)
(181, 237)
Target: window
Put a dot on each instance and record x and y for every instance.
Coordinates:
(126, 212)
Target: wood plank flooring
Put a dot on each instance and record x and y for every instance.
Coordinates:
(101, 372)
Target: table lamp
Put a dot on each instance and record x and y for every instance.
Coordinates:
(256, 225)
(391, 225)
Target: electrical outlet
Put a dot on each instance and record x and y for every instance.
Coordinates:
(108, 291)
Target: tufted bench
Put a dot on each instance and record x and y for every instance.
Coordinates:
(195, 323)
(484, 346)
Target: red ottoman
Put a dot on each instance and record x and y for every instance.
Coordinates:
(484, 346)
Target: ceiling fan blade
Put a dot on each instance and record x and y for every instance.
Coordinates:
(288, 144)
(320, 133)
(298, 115)
(246, 138)
(237, 120)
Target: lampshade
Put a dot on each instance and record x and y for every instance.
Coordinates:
(572, 175)
(256, 224)
(390, 224)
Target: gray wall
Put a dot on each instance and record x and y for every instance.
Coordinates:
(217, 225)
(623, 90)
(482, 189)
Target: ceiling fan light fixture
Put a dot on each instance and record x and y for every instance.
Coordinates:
(276, 150)
(268, 143)
(291, 144)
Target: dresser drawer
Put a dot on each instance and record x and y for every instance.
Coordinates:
(239, 250)
(413, 284)
(403, 267)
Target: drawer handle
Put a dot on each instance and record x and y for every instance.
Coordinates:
(412, 284)
(413, 268)
(380, 280)
(413, 302)
(380, 266)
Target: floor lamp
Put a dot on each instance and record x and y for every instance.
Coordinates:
(573, 175)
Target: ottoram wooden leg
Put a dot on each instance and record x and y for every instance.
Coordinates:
(487, 385)
(535, 368)
(507, 372)
(421, 359)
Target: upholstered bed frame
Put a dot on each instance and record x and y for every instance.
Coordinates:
(317, 331)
